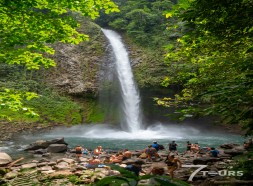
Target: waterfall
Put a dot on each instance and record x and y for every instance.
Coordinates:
(131, 116)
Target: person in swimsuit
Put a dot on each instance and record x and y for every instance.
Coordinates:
(135, 167)
(151, 153)
(172, 164)
(173, 147)
(78, 150)
(93, 163)
(97, 151)
(118, 158)
(127, 154)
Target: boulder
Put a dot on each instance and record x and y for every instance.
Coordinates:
(62, 166)
(40, 151)
(60, 173)
(4, 158)
(67, 160)
(228, 145)
(45, 169)
(204, 160)
(233, 152)
(43, 144)
(11, 175)
(39, 144)
(57, 148)
(28, 165)
(57, 141)
(48, 172)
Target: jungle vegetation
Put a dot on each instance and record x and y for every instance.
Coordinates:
(212, 60)
(207, 47)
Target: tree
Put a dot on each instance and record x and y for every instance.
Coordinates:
(212, 61)
(142, 20)
(29, 27)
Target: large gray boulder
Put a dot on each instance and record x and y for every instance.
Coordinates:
(39, 144)
(57, 148)
(4, 158)
(43, 144)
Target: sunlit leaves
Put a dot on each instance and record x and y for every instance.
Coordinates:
(29, 28)
(13, 100)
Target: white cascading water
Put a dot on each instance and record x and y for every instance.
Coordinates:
(131, 135)
(131, 119)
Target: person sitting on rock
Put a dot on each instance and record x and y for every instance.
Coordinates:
(214, 152)
(195, 148)
(94, 162)
(78, 151)
(172, 164)
(97, 151)
(118, 158)
(135, 167)
(127, 154)
(85, 151)
(107, 160)
(151, 153)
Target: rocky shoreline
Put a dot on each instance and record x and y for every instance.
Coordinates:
(57, 165)
(10, 130)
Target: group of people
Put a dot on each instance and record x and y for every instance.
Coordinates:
(194, 148)
(114, 158)
(150, 154)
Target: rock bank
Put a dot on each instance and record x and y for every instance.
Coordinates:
(66, 169)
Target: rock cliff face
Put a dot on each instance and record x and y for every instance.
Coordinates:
(77, 70)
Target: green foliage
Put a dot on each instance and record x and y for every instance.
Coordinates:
(57, 109)
(51, 106)
(74, 179)
(142, 20)
(13, 100)
(28, 28)
(244, 163)
(212, 60)
(131, 179)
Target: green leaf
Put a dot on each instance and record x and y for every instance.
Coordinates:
(249, 50)
(112, 181)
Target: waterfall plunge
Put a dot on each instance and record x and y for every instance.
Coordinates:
(131, 117)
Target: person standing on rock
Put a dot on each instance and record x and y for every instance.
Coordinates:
(188, 146)
(172, 164)
(155, 145)
(173, 147)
